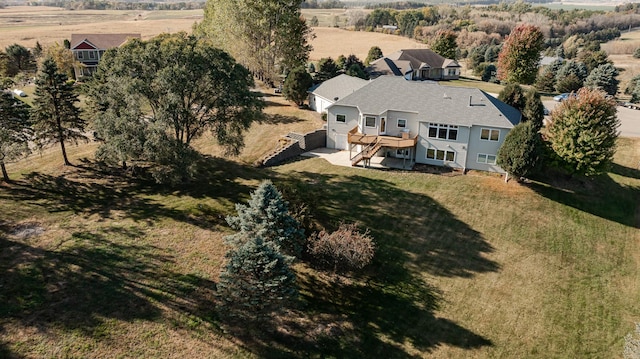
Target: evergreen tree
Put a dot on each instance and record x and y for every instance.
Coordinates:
(583, 132)
(256, 282)
(15, 130)
(546, 80)
(604, 78)
(513, 95)
(374, 53)
(340, 62)
(21, 57)
(520, 54)
(356, 71)
(445, 44)
(327, 69)
(55, 115)
(296, 85)
(489, 73)
(570, 76)
(267, 216)
(521, 151)
(533, 110)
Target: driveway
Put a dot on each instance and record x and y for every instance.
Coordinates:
(629, 119)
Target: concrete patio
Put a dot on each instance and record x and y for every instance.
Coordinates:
(341, 158)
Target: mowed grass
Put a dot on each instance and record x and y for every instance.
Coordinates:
(95, 263)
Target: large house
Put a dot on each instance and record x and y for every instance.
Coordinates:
(421, 122)
(89, 48)
(326, 93)
(415, 64)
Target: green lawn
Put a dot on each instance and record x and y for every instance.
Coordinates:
(94, 263)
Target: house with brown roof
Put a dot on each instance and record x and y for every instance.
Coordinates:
(416, 65)
(88, 49)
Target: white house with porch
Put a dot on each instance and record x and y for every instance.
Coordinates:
(421, 122)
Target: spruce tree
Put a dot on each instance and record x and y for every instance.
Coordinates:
(296, 85)
(604, 78)
(267, 216)
(55, 115)
(513, 95)
(533, 110)
(15, 130)
(583, 132)
(374, 53)
(521, 151)
(256, 282)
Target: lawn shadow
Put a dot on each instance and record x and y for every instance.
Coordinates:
(92, 277)
(601, 196)
(277, 119)
(387, 310)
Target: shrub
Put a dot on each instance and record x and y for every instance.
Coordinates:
(636, 54)
(344, 249)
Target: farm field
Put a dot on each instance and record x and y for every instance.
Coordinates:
(97, 264)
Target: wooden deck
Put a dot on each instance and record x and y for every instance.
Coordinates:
(356, 138)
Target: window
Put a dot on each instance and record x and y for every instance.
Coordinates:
(490, 135)
(402, 152)
(341, 118)
(369, 121)
(92, 54)
(402, 123)
(442, 131)
(485, 158)
(441, 155)
(452, 72)
(79, 54)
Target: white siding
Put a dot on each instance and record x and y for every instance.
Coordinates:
(318, 104)
(459, 147)
(334, 129)
(476, 146)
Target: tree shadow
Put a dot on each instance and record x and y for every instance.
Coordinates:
(91, 277)
(601, 196)
(388, 310)
(276, 119)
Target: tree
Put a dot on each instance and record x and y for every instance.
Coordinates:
(356, 71)
(513, 95)
(520, 54)
(256, 282)
(445, 44)
(521, 152)
(37, 50)
(189, 86)
(343, 250)
(570, 76)
(583, 132)
(20, 56)
(314, 21)
(636, 54)
(374, 53)
(63, 57)
(593, 59)
(340, 62)
(269, 36)
(633, 89)
(55, 115)
(604, 78)
(327, 69)
(489, 73)
(296, 85)
(267, 216)
(15, 130)
(533, 110)
(350, 61)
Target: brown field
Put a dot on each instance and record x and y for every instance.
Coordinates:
(27, 24)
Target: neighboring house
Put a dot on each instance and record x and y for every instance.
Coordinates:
(89, 48)
(415, 64)
(421, 122)
(548, 60)
(330, 91)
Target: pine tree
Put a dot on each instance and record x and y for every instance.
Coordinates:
(583, 132)
(604, 78)
(570, 76)
(521, 151)
(374, 53)
(256, 282)
(327, 69)
(296, 85)
(15, 130)
(445, 44)
(267, 216)
(513, 95)
(55, 115)
(533, 110)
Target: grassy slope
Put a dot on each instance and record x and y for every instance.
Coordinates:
(93, 264)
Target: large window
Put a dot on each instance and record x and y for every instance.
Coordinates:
(402, 123)
(369, 121)
(440, 155)
(92, 55)
(79, 54)
(489, 134)
(341, 118)
(443, 132)
(485, 158)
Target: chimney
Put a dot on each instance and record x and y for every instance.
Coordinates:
(470, 98)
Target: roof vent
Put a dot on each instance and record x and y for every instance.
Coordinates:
(336, 98)
(445, 96)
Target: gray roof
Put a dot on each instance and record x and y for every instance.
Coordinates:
(339, 86)
(442, 104)
(404, 61)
